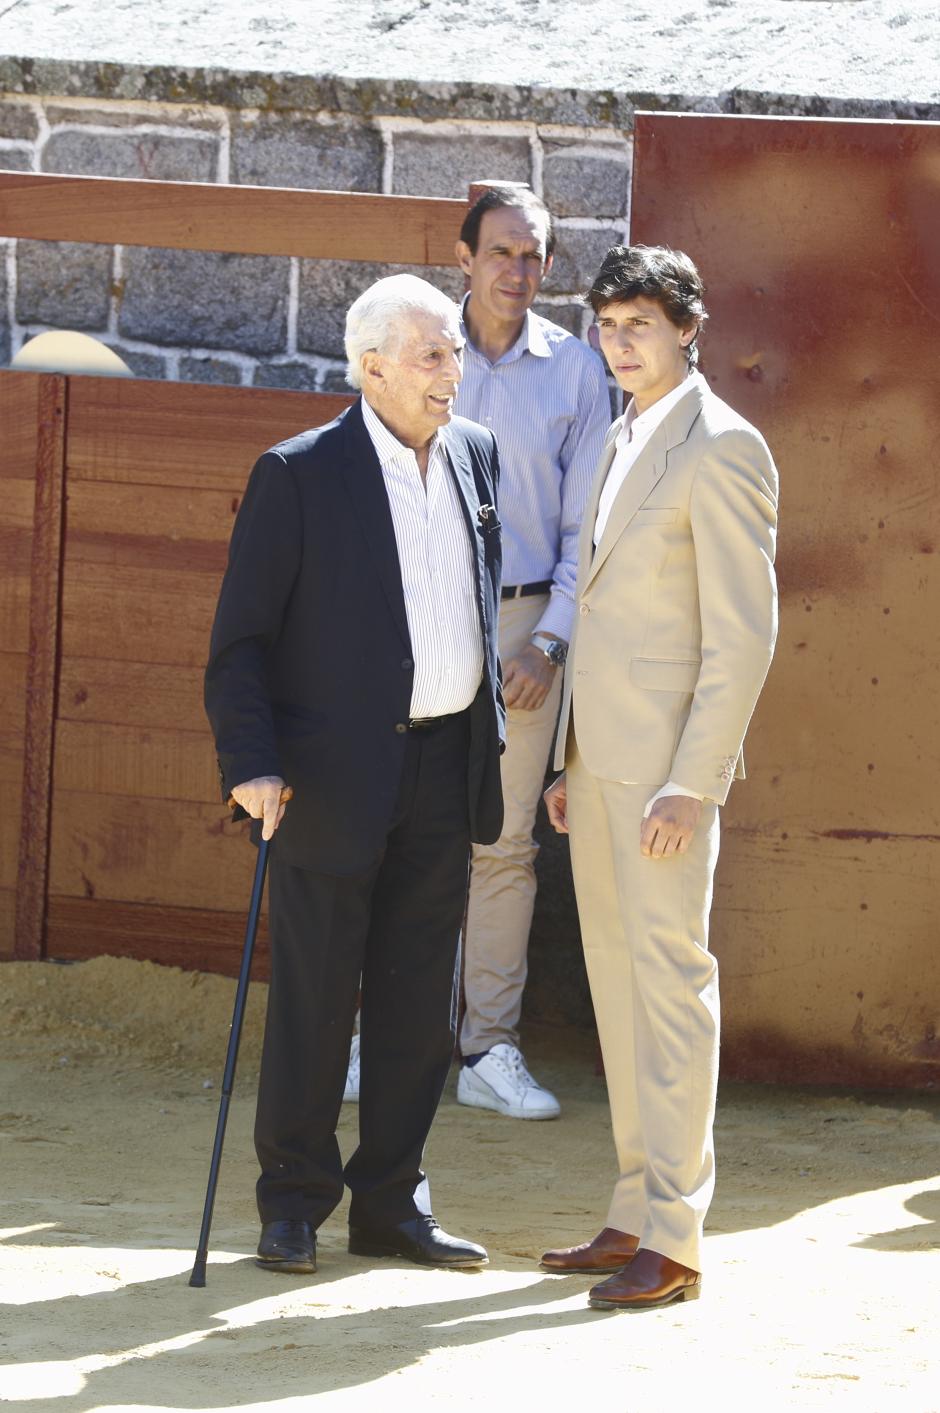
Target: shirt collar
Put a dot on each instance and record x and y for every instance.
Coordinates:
(387, 446)
(640, 425)
(531, 338)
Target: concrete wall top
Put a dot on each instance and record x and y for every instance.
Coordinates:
(585, 62)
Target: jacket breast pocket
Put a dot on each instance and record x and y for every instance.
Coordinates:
(656, 515)
(664, 674)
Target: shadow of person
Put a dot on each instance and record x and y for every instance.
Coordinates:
(925, 1236)
(114, 1338)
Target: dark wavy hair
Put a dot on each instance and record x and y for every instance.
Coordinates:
(518, 197)
(668, 276)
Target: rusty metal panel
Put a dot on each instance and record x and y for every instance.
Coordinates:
(819, 242)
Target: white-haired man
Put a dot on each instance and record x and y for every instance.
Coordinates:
(354, 656)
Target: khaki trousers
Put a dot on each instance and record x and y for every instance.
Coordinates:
(644, 925)
(502, 879)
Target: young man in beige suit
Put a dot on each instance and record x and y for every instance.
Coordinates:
(674, 632)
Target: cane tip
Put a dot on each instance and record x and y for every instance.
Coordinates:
(198, 1277)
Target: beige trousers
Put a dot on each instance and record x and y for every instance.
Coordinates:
(644, 925)
(502, 879)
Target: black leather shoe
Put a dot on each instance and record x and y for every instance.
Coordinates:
(288, 1246)
(420, 1240)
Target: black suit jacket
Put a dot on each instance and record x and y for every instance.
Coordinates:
(310, 669)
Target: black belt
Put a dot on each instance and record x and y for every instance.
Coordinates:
(430, 723)
(525, 591)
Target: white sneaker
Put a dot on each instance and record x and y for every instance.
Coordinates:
(351, 1092)
(500, 1081)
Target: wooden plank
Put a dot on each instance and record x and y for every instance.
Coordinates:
(17, 504)
(165, 614)
(175, 514)
(16, 554)
(143, 762)
(193, 938)
(13, 668)
(7, 918)
(19, 414)
(131, 693)
(180, 434)
(41, 678)
(246, 220)
(177, 854)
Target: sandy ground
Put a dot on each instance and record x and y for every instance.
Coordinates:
(821, 1284)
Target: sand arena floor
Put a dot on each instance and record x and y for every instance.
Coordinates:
(821, 1285)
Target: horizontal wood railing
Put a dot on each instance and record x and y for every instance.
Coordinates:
(243, 220)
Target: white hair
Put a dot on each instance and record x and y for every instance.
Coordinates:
(374, 321)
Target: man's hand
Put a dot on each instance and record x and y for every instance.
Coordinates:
(261, 799)
(669, 827)
(556, 802)
(527, 679)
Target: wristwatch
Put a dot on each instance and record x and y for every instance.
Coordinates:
(556, 652)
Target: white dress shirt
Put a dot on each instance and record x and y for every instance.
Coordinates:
(636, 431)
(437, 573)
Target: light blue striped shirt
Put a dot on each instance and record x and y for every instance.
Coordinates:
(547, 403)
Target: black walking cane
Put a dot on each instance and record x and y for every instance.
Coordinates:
(198, 1277)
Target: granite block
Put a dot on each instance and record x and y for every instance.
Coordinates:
(16, 159)
(581, 179)
(155, 156)
(292, 149)
(439, 164)
(193, 369)
(18, 120)
(299, 377)
(202, 299)
(63, 284)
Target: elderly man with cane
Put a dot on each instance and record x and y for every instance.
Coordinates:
(353, 656)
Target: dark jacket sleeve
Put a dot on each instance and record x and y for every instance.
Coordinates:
(264, 559)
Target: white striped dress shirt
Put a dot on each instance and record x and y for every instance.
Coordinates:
(437, 573)
(546, 401)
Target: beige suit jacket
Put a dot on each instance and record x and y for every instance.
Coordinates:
(676, 610)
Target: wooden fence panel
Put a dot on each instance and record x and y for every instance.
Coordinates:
(145, 859)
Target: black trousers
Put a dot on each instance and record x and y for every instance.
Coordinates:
(397, 926)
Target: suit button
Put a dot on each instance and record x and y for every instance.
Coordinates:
(406, 664)
(401, 727)
(584, 609)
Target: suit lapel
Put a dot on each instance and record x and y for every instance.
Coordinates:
(366, 487)
(644, 474)
(458, 460)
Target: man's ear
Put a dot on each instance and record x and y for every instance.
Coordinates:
(687, 335)
(370, 366)
(464, 256)
(548, 264)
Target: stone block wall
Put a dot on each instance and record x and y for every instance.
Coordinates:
(272, 321)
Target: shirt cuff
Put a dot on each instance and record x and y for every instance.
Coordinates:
(557, 618)
(670, 788)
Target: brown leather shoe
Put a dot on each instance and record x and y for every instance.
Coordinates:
(609, 1251)
(648, 1281)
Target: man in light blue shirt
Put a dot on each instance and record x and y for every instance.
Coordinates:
(543, 393)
